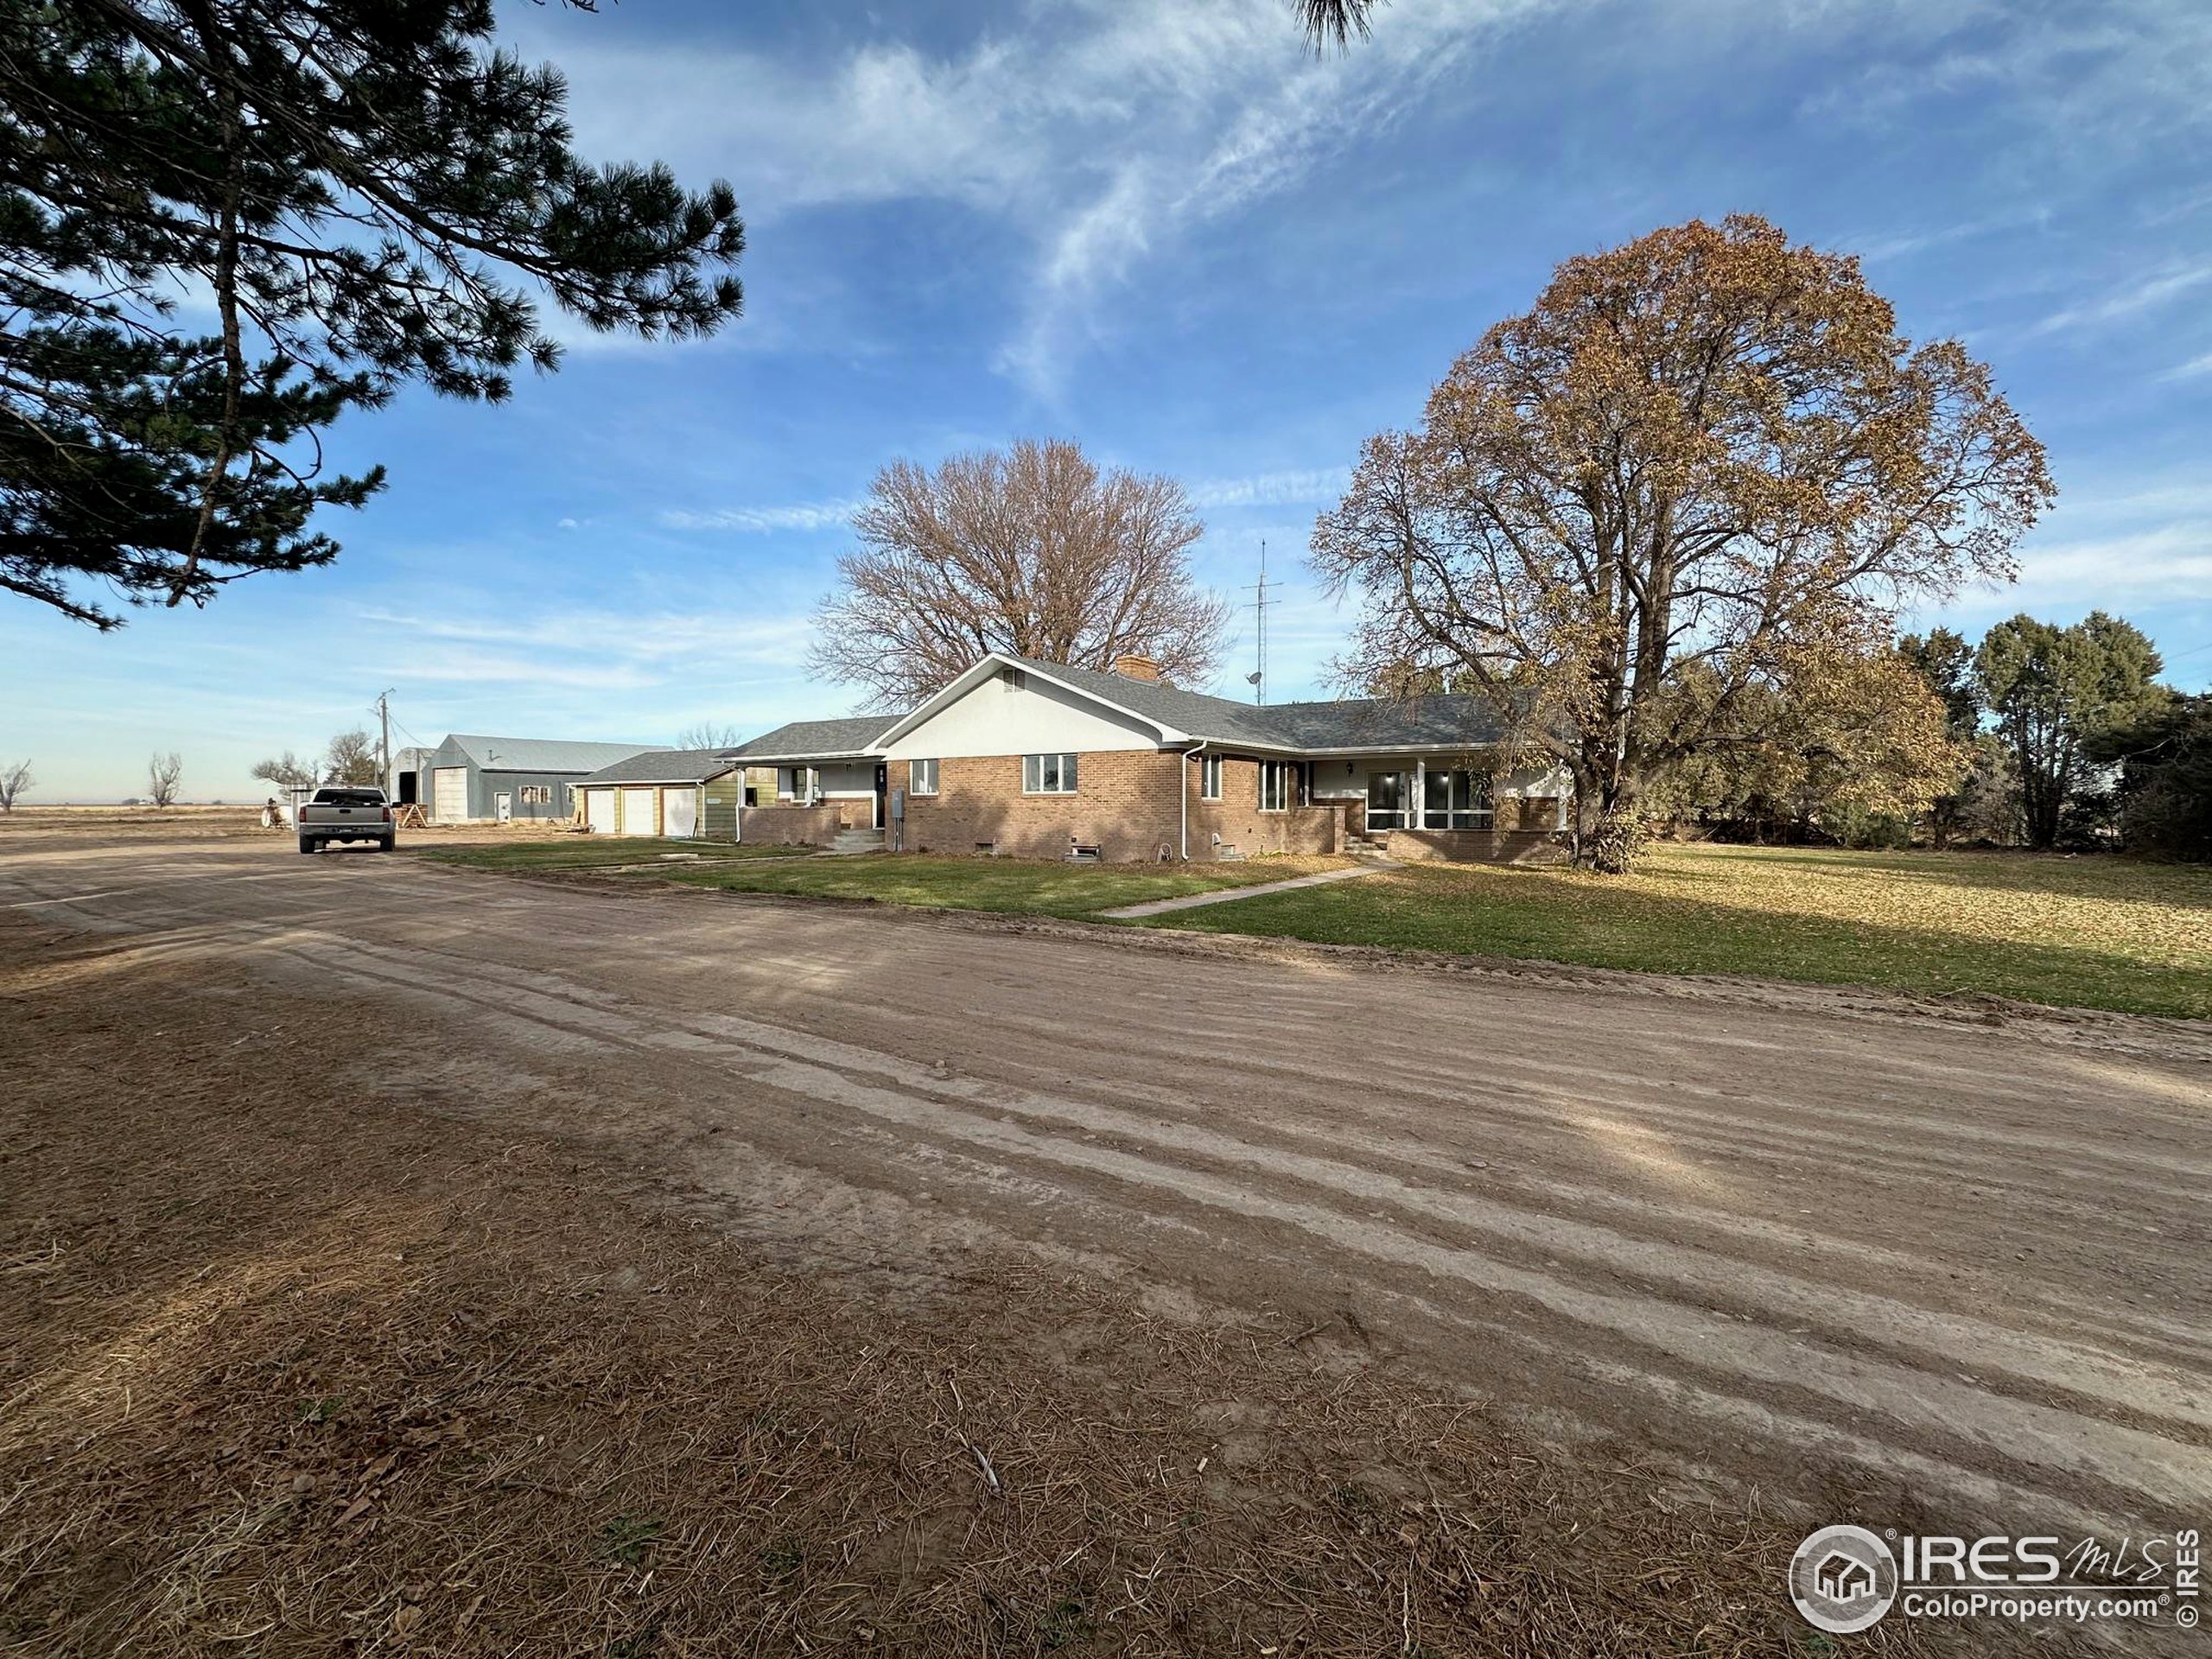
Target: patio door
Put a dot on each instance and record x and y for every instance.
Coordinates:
(1386, 800)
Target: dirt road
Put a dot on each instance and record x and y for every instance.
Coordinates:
(1924, 1267)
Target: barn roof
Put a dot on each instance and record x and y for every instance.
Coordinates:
(539, 753)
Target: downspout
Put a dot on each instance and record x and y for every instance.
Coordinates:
(1188, 754)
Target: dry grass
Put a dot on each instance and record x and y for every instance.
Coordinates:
(34, 823)
(296, 1369)
(2100, 933)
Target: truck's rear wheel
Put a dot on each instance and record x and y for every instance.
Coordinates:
(384, 845)
(306, 843)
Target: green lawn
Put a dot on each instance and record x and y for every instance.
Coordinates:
(588, 852)
(1005, 884)
(2084, 932)
(2079, 932)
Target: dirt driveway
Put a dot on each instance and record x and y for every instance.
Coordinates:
(1951, 1269)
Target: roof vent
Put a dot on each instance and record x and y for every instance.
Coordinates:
(1132, 667)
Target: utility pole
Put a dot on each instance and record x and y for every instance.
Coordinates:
(1258, 678)
(384, 719)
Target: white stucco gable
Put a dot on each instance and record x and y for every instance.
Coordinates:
(1015, 712)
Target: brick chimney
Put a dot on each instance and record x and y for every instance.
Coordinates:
(1131, 667)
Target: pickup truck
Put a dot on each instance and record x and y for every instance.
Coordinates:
(345, 812)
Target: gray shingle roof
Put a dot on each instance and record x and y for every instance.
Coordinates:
(817, 740)
(1343, 723)
(665, 766)
(540, 753)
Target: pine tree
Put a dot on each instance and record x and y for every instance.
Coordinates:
(343, 197)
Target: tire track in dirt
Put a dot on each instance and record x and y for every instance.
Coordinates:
(1703, 1327)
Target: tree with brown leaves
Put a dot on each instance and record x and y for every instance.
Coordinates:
(1853, 743)
(1034, 551)
(1698, 457)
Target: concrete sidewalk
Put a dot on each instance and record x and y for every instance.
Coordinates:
(1193, 901)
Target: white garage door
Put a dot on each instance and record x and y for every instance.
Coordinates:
(638, 811)
(449, 794)
(679, 810)
(599, 811)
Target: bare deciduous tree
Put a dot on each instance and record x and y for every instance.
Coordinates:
(352, 760)
(162, 772)
(708, 734)
(1702, 460)
(288, 771)
(14, 780)
(1034, 551)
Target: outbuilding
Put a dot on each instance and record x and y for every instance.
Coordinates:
(469, 779)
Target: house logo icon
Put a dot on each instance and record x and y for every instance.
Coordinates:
(1843, 1578)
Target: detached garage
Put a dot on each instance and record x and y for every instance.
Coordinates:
(683, 794)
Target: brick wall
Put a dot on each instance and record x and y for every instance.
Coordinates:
(1236, 818)
(1125, 804)
(790, 826)
(1478, 846)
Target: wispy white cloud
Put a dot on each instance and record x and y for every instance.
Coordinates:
(2122, 72)
(2143, 543)
(1283, 489)
(2194, 368)
(805, 516)
(649, 647)
(2130, 299)
(491, 668)
(1100, 131)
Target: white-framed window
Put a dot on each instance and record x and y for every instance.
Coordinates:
(535, 795)
(1279, 785)
(925, 777)
(1048, 774)
(1458, 799)
(1209, 777)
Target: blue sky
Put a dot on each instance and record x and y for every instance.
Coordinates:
(1157, 226)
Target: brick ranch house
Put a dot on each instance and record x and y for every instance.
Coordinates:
(1035, 760)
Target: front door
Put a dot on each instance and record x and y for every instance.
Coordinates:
(503, 804)
(882, 783)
